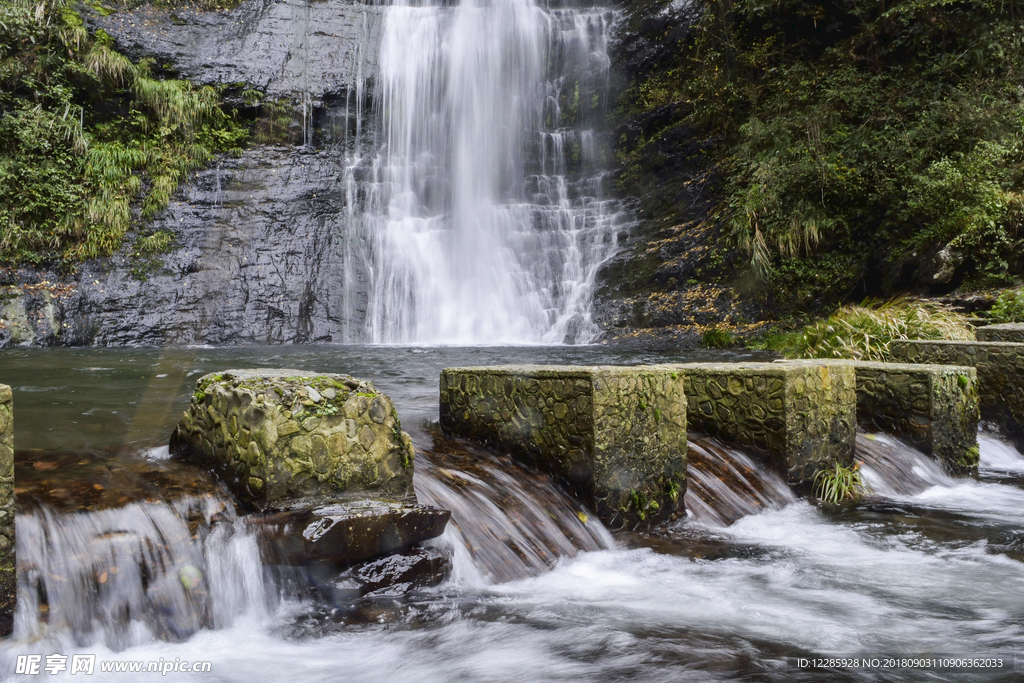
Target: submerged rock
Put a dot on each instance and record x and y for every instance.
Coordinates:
(345, 533)
(285, 439)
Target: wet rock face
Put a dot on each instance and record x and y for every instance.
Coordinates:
(281, 47)
(345, 533)
(800, 418)
(260, 256)
(615, 436)
(285, 438)
(8, 577)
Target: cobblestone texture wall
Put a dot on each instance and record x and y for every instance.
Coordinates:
(615, 436)
(799, 417)
(933, 407)
(1009, 332)
(1000, 368)
(279, 436)
(8, 573)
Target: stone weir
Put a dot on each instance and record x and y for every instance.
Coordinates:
(932, 407)
(615, 436)
(1000, 367)
(322, 455)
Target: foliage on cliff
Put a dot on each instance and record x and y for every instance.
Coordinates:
(865, 148)
(87, 137)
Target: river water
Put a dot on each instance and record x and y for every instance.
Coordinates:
(939, 570)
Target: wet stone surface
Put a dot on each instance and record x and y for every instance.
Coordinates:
(346, 532)
(1000, 368)
(8, 576)
(285, 439)
(615, 436)
(799, 417)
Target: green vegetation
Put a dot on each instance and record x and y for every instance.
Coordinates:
(840, 483)
(871, 147)
(1009, 307)
(90, 140)
(864, 332)
(717, 338)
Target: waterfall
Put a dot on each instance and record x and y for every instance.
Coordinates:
(481, 218)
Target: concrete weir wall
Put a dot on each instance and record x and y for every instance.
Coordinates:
(1008, 332)
(615, 435)
(933, 407)
(800, 417)
(8, 575)
(1000, 367)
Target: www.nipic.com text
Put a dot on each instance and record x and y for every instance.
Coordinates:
(86, 664)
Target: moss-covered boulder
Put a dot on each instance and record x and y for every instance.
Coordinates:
(288, 438)
(8, 576)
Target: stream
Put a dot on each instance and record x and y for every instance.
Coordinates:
(927, 566)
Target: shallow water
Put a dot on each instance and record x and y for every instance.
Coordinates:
(936, 571)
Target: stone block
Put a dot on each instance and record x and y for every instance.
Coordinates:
(1000, 367)
(288, 438)
(8, 574)
(1008, 332)
(935, 408)
(799, 418)
(615, 436)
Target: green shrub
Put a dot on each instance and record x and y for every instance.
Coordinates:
(864, 332)
(86, 134)
(857, 142)
(1009, 307)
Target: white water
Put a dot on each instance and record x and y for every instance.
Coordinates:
(482, 218)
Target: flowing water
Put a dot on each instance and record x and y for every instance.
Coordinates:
(539, 591)
(482, 218)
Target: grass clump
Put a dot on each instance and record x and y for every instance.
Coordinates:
(717, 338)
(864, 332)
(833, 486)
(90, 140)
(1009, 307)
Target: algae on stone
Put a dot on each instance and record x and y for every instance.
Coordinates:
(1000, 368)
(277, 437)
(801, 418)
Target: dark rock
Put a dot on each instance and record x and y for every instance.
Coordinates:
(390, 576)
(282, 48)
(260, 256)
(345, 533)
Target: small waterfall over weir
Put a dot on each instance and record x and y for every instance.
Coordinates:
(724, 484)
(482, 218)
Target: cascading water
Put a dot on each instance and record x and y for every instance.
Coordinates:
(481, 220)
(506, 523)
(725, 485)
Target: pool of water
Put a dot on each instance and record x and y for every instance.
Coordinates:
(933, 573)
